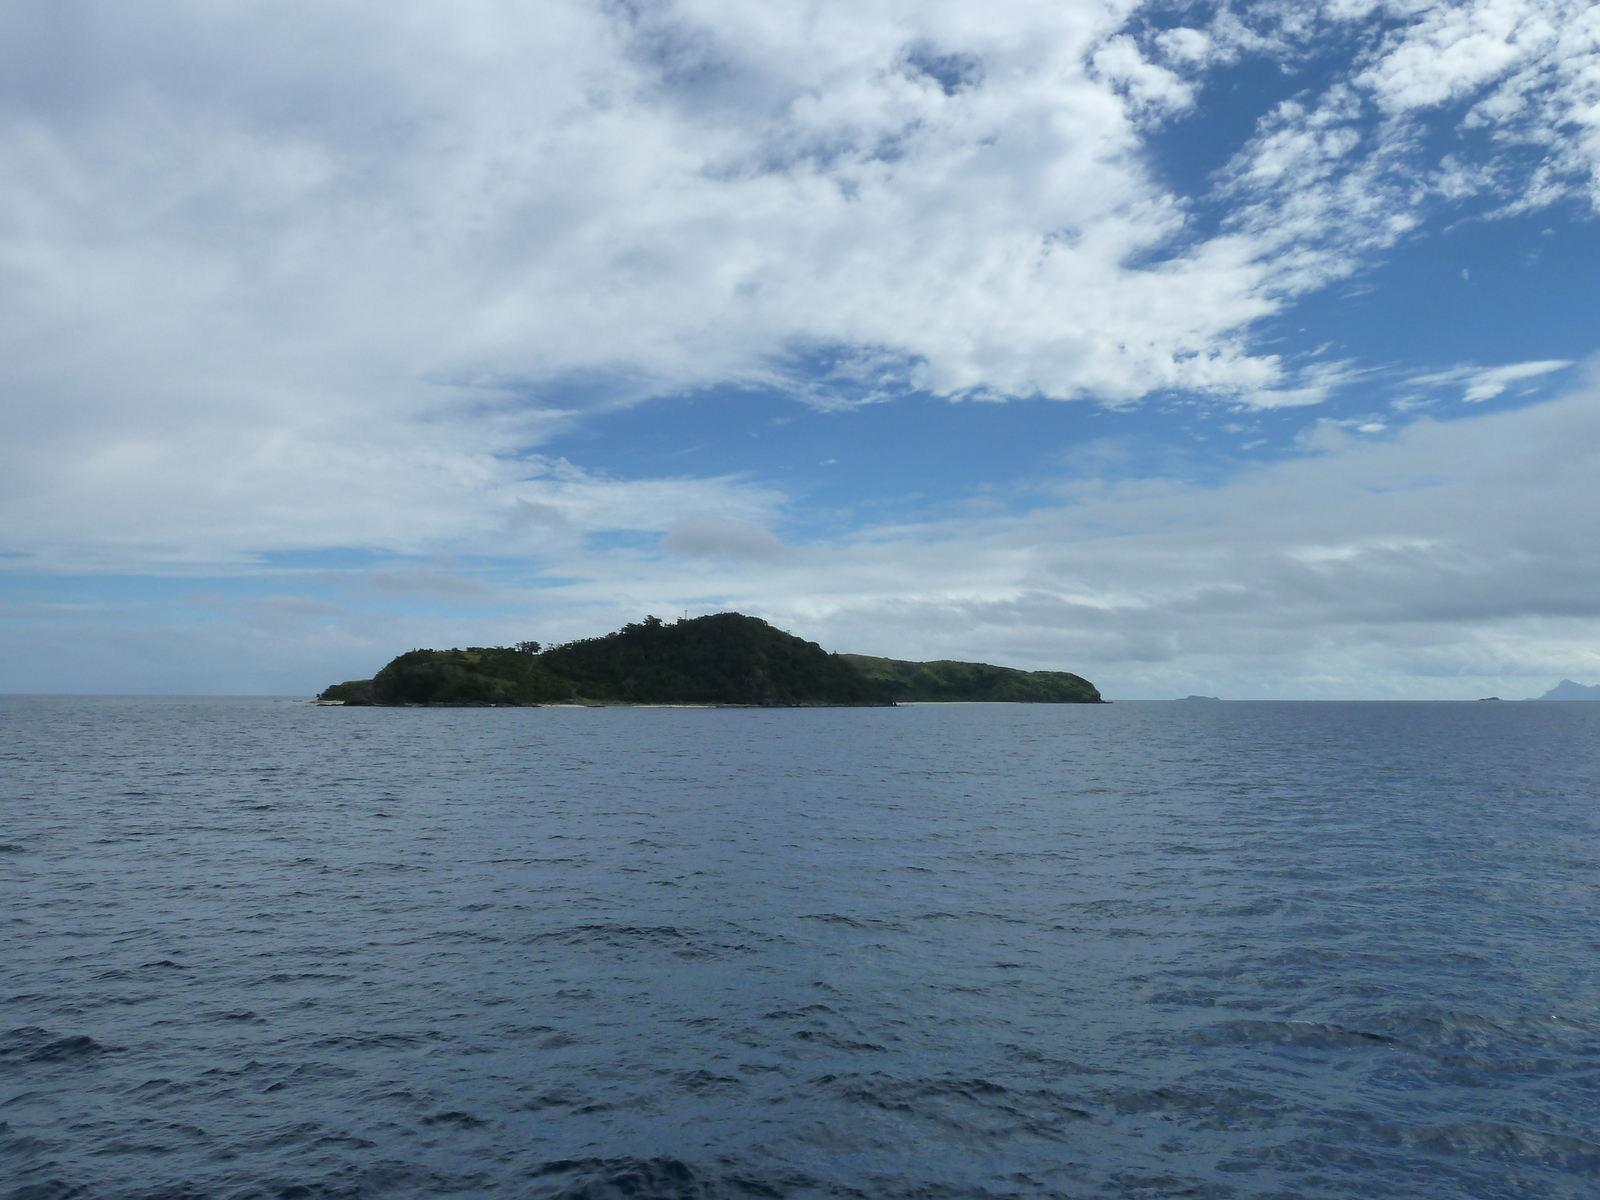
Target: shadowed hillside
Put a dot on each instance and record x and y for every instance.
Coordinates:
(727, 658)
(478, 675)
(948, 681)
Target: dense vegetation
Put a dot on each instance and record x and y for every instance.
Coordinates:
(728, 658)
(945, 680)
(477, 675)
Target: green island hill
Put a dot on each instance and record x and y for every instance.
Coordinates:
(948, 681)
(723, 659)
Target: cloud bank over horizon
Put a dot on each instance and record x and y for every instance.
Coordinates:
(333, 324)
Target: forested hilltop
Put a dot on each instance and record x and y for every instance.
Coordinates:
(727, 658)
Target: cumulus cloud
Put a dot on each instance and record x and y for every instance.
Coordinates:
(263, 262)
(266, 262)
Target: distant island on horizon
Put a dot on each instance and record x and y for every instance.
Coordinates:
(725, 659)
(1568, 690)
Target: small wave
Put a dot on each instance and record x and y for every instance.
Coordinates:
(32, 1044)
(1433, 1029)
(823, 1038)
(464, 935)
(1118, 909)
(786, 1014)
(316, 1070)
(154, 1088)
(383, 1178)
(646, 1179)
(54, 1189)
(68, 1048)
(973, 1105)
(1266, 906)
(680, 943)
(1312, 1034)
(15, 1145)
(704, 1083)
(612, 935)
(1231, 1108)
(375, 1041)
(456, 1120)
(1491, 1139)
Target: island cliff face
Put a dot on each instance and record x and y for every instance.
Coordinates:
(727, 658)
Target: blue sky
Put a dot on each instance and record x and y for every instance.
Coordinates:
(1241, 350)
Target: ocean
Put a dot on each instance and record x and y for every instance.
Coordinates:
(255, 948)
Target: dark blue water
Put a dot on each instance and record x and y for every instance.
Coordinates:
(251, 948)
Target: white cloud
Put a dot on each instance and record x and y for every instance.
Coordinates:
(1151, 86)
(1449, 559)
(1497, 98)
(1316, 383)
(1187, 45)
(293, 275)
(1445, 52)
(711, 538)
(302, 275)
(423, 581)
(1485, 383)
(269, 253)
(1531, 71)
(171, 507)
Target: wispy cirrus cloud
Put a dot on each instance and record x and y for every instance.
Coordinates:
(1485, 383)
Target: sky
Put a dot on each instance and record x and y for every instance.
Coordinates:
(1228, 349)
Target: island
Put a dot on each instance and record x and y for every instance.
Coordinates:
(1568, 690)
(722, 659)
